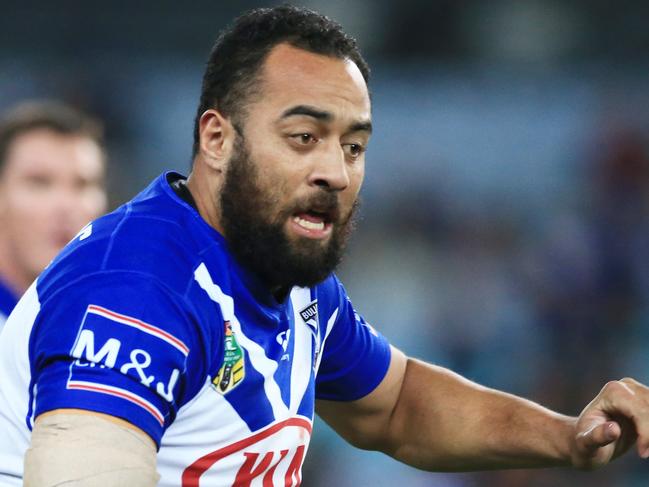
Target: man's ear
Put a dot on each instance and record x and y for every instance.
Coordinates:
(217, 136)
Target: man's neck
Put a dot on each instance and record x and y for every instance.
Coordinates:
(280, 293)
(208, 206)
(206, 199)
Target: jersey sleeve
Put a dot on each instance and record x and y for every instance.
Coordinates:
(355, 357)
(118, 344)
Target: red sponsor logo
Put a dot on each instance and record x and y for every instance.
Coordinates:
(255, 459)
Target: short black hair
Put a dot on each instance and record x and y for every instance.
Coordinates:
(241, 49)
(47, 115)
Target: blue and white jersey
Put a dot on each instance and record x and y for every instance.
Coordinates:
(146, 316)
(8, 300)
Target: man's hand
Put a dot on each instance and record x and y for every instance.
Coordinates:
(611, 424)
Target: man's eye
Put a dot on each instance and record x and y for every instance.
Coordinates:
(353, 150)
(304, 138)
(39, 181)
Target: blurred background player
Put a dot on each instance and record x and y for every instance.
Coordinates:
(52, 175)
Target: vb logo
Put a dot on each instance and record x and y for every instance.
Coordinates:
(256, 458)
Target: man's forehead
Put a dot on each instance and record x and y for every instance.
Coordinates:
(43, 147)
(292, 72)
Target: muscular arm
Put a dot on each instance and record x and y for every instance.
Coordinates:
(82, 449)
(434, 419)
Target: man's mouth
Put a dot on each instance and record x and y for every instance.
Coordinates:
(309, 222)
(313, 223)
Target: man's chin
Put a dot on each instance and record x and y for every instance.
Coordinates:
(306, 249)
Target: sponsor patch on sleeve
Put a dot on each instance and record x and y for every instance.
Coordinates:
(109, 342)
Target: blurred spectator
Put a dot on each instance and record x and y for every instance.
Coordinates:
(589, 281)
(52, 165)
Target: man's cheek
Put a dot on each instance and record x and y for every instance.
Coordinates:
(94, 204)
(29, 207)
(31, 228)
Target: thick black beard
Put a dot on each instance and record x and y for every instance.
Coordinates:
(260, 243)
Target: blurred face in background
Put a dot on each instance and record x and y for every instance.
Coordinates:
(51, 185)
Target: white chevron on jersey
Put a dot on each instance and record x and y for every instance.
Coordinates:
(330, 325)
(303, 352)
(258, 359)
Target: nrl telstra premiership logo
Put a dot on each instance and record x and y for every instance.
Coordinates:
(232, 371)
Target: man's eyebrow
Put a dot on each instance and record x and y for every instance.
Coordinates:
(324, 116)
(309, 112)
(361, 127)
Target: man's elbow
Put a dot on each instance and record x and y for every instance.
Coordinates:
(372, 439)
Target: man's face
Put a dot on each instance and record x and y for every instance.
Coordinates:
(292, 183)
(50, 186)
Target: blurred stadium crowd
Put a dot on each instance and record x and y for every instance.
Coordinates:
(505, 220)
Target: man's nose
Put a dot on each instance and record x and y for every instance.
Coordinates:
(66, 204)
(330, 170)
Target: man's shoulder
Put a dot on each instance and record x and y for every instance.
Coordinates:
(331, 286)
(329, 294)
(152, 235)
